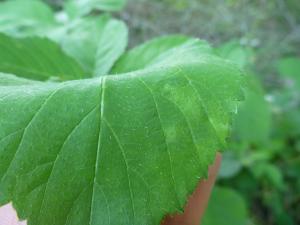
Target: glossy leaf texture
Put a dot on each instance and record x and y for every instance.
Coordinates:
(119, 149)
(37, 58)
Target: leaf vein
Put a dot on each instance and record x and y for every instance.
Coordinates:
(165, 137)
(126, 164)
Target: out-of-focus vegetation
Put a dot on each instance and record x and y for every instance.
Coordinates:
(259, 182)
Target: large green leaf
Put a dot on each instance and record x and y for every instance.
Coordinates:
(20, 17)
(96, 43)
(124, 149)
(83, 7)
(36, 58)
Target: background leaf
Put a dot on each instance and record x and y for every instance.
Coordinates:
(254, 114)
(36, 58)
(230, 166)
(111, 46)
(96, 43)
(22, 18)
(286, 101)
(160, 51)
(219, 212)
(290, 68)
(235, 52)
(253, 121)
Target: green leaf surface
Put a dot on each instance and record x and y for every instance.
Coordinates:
(36, 58)
(25, 17)
(226, 206)
(96, 43)
(160, 51)
(116, 150)
(77, 8)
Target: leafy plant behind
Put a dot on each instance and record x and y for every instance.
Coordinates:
(37, 58)
(95, 42)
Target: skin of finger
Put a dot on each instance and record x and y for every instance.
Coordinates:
(197, 203)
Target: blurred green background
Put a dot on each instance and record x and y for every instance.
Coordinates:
(259, 182)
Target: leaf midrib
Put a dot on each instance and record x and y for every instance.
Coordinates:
(102, 95)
